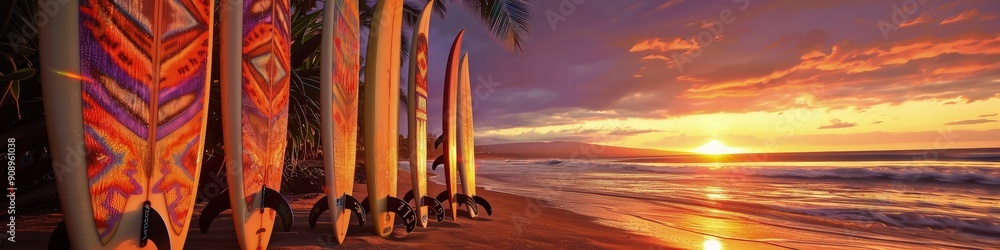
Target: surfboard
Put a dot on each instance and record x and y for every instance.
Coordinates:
(125, 88)
(339, 106)
(449, 196)
(417, 121)
(465, 144)
(254, 78)
(381, 113)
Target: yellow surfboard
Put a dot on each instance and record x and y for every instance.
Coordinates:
(381, 113)
(339, 107)
(465, 144)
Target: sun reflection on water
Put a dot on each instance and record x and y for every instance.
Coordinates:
(711, 243)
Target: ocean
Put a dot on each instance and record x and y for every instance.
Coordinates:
(784, 205)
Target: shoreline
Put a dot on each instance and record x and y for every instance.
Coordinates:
(517, 222)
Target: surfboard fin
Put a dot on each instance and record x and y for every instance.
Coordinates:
(438, 141)
(435, 206)
(213, 209)
(403, 210)
(349, 203)
(277, 202)
(437, 161)
(317, 209)
(482, 202)
(153, 228)
(468, 201)
(409, 196)
(443, 196)
(60, 238)
(430, 202)
(365, 205)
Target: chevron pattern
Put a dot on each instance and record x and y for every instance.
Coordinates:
(144, 61)
(266, 65)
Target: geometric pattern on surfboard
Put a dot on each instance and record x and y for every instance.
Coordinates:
(419, 143)
(265, 72)
(421, 82)
(143, 61)
(347, 43)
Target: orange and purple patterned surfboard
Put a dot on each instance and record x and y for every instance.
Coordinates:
(255, 63)
(129, 106)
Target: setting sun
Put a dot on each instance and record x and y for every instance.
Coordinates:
(715, 147)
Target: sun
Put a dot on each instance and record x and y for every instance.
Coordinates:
(715, 147)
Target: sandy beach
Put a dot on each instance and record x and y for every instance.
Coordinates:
(508, 227)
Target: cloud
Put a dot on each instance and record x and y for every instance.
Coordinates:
(989, 115)
(920, 19)
(965, 16)
(630, 132)
(877, 122)
(837, 123)
(655, 44)
(967, 122)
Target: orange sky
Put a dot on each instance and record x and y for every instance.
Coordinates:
(764, 76)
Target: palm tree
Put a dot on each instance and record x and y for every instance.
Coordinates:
(508, 21)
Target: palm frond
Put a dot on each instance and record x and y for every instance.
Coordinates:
(509, 21)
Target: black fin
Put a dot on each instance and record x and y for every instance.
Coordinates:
(437, 161)
(403, 210)
(275, 201)
(153, 229)
(213, 209)
(365, 205)
(482, 202)
(60, 238)
(438, 141)
(443, 196)
(435, 206)
(468, 201)
(354, 205)
(318, 209)
(409, 196)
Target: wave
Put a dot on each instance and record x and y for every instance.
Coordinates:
(981, 174)
(953, 175)
(979, 226)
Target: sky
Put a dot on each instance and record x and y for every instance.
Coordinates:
(762, 76)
